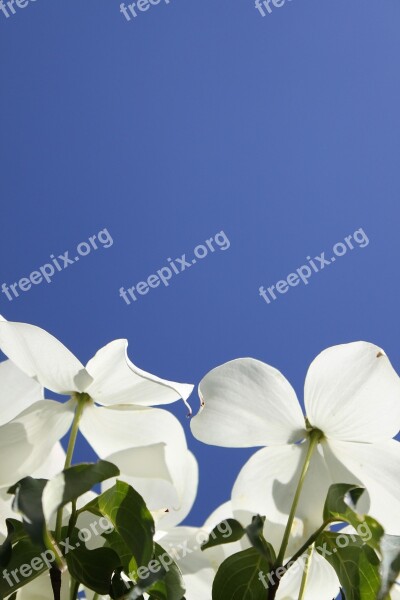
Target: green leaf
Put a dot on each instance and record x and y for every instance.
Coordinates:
(27, 562)
(38, 499)
(129, 515)
(356, 564)
(119, 585)
(218, 535)
(93, 568)
(240, 577)
(28, 502)
(116, 542)
(340, 505)
(75, 481)
(390, 567)
(6, 547)
(161, 579)
(257, 540)
(254, 532)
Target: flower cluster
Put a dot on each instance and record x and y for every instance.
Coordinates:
(308, 476)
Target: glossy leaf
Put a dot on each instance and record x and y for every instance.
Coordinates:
(93, 568)
(239, 577)
(129, 515)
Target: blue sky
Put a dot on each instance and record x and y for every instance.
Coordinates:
(191, 119)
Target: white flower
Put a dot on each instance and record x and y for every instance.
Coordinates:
(109, 379)
(352, 395)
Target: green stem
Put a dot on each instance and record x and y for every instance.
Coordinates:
(315, 437)
(74, 589)
(74, 433)
(68, 459)
(311, 540)
(306, 571)
(50, 545)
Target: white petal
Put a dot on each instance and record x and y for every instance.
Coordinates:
(322, 582)
(112, 429)
(199, 585)
(42, 356)
(224, 511)
(17, 391)
(395, 591)
(29, 438)
(118, 381)
(174, 517)
(183, 544)
(267, 484)
(52, 465)
(352, 393)
(377, 467)
(247, 403)
(145, 469)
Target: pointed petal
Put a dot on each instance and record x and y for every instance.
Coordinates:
(145, 469)
(322, 582)
(118, 381)
(352, 393)
(199, 585)
(247, 403)
(184, 545)
(376, 466)
(113, 429)
(29, 438)
(174, 517)
(40, 355)
(53, 464)
(267, 485)
(17, 391)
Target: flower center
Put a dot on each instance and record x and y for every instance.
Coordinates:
(82, 398)
(314, 432)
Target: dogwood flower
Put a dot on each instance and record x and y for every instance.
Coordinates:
(111, 396)
(352, 398)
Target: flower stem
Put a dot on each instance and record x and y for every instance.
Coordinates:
(315, 437)
(74, 433)
(68, 459)
(306, 571)
(74, 589)
(306, 545)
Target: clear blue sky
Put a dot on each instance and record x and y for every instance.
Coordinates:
(192, 118)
